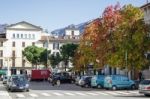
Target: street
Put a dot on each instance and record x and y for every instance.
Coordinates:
(44, 90)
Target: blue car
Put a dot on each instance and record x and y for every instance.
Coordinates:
(97, 81)
(115, 82)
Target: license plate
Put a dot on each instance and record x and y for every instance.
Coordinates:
(20, 87)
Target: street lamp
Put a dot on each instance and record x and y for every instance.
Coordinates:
(48, 53)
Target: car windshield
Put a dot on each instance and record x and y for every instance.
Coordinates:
(145, 82)
(19, 78)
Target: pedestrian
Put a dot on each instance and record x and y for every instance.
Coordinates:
(140, 76)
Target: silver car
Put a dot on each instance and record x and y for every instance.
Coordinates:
(144, 87)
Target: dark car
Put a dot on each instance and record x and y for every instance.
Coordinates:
(85, 81)
(17, 82)
(62, 77)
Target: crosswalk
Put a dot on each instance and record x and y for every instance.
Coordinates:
(79, 93)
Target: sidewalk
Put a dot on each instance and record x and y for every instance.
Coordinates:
(3, 92)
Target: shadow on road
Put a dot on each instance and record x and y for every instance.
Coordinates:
(44, 85)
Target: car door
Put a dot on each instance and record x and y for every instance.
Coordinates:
(126, 82)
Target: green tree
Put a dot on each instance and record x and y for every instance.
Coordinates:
(44, 57)
(33, 54)
(55, 59)
(67, 52)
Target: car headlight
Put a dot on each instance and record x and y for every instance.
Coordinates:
(13, 85)
(27, 85)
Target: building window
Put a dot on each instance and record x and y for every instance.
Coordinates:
(13, 62)
(21, 35)
(33, 43)
(1, 62)
(13, 44)
(72, 33)
(23, 44)
(1, 53)
(17, 35)
(29, 36)
(1, 44)
(13, 54)
(23, 63)
(13, 35)
(55, 45)
(25, 35)
(33, 36)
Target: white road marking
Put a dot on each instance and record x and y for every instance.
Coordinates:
(71, 94)
(58, 94)
(80, 93)
(45, 94)
(3, 93)
(33, 95)
(112, 92)
(102, 93)
(94, 94)
(20, 95)
(123, 92)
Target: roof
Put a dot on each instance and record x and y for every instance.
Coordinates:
(62, 40)
(148, 4)
(24, 22)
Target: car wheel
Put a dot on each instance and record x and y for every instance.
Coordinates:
(86, 85)
(11, 90)
(133, 87)
(147, 95)
(58, 82)
(99, 86)
(27, 90)
(114, 88)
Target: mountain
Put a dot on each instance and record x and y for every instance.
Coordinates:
(61, 32)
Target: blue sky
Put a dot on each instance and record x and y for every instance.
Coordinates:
(55, 14)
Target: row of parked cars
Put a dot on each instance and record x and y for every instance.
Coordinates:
(16, 82)
(114, 82)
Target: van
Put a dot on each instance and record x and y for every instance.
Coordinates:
(115, 82)
(97, 81)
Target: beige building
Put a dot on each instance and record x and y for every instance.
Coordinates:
(15, 37)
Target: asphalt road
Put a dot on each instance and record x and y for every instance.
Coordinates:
(44, 90)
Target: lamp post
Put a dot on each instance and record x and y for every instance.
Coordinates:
(48, 53)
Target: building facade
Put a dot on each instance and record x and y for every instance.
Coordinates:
(15, 37)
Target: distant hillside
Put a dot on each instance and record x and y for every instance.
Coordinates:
(61, 32)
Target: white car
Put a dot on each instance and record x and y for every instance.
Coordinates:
(144, 87)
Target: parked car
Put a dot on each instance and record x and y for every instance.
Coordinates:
(17, 82)
(77, 80)
(63, 77)
(97, 81)
(5, 79)
(144, 87)
(85, 81)
(115, 82)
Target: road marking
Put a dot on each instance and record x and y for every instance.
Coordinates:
(112, 93)
(102, 93)
(94, 94)
(20, 95)
(58, 94)
(69, 94)
(121, 92)
(45, 94)
(80, 93)
(4, 93)
(134, 92)
(33, 95)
